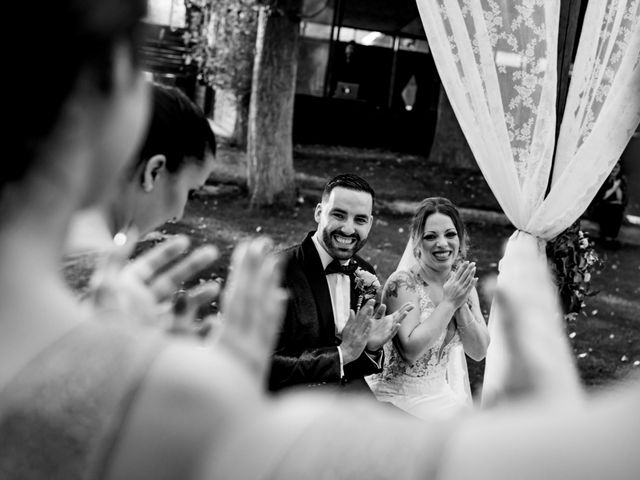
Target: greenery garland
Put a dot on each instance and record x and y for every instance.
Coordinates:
(196, 38)
(220, 36)
(573, 261)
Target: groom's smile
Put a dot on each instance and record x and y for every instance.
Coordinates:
(339, 245)
(344, 221)
(343, 240)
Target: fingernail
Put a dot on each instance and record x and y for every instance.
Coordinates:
(180, 302)
(180, 241)
(208, 251)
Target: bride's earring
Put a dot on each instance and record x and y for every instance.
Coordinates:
(417, 253)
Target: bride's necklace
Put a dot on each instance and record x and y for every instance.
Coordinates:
(419, 275)
(436, 276)
(423, 277)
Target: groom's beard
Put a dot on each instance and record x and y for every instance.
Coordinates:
(340, 251)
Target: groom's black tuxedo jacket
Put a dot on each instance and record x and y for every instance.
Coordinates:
(306, 351)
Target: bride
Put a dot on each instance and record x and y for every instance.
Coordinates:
(425, 372)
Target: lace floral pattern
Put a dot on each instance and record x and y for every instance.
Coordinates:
(600, 115)
(431, 368)
(497, 61)
(517, 40)
(612, 45)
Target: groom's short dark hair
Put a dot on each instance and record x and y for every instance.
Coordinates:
(349, 181)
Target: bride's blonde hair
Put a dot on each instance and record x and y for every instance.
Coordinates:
(442, 205)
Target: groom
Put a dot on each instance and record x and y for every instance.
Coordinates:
(323, 341)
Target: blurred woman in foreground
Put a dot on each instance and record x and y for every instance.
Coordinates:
(79, 399)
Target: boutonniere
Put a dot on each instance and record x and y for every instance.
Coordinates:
(367, 286)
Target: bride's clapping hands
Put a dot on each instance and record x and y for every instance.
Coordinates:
(468, 318)
(252, 305)
(459, 285)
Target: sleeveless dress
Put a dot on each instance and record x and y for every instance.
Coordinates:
(436, 385)
(61, 414)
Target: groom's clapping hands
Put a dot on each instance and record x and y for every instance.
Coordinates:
(356, 332)
(384, 327)
(370, 329)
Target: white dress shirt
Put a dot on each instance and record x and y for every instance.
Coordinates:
(339, 288)
(340, 292)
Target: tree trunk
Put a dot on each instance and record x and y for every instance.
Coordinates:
(235, 25)
(270, 173)
(449, 145)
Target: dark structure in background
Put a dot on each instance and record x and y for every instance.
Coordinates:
(163, 54)
(631, 164)
(366, 77)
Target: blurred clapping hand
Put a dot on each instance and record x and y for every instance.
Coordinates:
(252, 306)
(148, 290)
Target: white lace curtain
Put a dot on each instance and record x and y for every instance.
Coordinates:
(497, 62)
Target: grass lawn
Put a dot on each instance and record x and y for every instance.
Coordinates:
(606, 339)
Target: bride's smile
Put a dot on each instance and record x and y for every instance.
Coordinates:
(440, 243)
(442, 254)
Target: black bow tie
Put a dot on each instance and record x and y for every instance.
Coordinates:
(336, 267)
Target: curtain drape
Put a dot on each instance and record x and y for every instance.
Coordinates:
(497, 62)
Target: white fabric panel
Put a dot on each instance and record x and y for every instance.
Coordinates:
(497, 61)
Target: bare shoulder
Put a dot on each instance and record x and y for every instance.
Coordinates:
(398, 283)
(400, 288)
(190, 396)
(206, 370)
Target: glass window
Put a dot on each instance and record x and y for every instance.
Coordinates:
(414, 45)
(347, 34)
(365, 37)
(315, 30)
(313, 55)
(166, 12)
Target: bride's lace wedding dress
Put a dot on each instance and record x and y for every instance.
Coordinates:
(436, 385)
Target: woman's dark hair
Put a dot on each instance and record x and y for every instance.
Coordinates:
(442, 205)
(61, 39)
(349, 181)
(178, 129)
